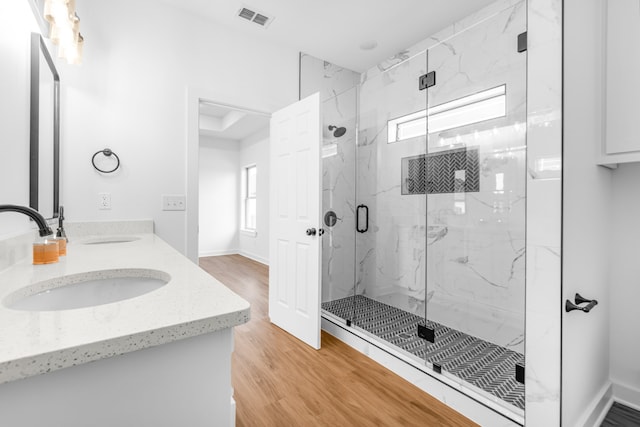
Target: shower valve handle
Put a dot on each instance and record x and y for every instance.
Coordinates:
(311, 231)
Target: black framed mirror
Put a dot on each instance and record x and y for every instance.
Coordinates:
(44, 163)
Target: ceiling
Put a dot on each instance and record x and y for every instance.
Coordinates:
(224, 122)
(334, 30)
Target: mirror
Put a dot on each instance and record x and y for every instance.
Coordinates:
(44, 164)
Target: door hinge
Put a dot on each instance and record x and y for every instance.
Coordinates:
(522, 42)
(427, 80)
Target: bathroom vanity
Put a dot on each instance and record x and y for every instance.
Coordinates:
(161, 358)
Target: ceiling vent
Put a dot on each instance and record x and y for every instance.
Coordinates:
(258, 18)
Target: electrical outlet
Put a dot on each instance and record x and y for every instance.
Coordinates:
(176, 202)
(104, 201)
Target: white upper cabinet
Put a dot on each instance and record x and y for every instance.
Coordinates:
(622, 112)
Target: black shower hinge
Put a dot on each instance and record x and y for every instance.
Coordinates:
(520, 373)
(522, 42)
(427, 333)
(427, 80)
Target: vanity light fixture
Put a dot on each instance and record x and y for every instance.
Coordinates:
(64, 29)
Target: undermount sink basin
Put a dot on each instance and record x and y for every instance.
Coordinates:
(86, 289)
(109, 239)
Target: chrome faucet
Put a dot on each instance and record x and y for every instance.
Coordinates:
(31, 213)
(61, 232)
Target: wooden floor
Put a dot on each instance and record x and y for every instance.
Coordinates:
(279, 381)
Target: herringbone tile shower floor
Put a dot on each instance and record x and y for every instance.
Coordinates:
(478, 362)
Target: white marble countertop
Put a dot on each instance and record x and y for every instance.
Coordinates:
(190, 304)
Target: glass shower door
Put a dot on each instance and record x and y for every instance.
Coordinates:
(476, 193)
(339, 131)
(390, 211)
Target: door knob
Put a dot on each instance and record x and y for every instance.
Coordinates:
(311, 231)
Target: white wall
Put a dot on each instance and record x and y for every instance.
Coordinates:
(16, 24)
(586, 213)
(221, 166)
(219, 189)
(255, 150)
(625, 279)
(130, 95)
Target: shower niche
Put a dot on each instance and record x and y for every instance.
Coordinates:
(438, 277)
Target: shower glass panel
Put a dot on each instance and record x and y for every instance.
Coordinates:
(476, 198)
(424, 195)
(390, 241)
(338, 200)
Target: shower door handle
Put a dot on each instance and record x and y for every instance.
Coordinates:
(365, 208)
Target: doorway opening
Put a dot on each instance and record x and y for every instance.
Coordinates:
(230, 183)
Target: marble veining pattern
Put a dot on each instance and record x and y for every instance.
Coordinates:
(441, 37)
(500, 217)
(474, 265)
(544, 212)
(317, 75)
(338, 195)
(190, 304)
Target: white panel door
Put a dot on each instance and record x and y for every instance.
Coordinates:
(294, 246)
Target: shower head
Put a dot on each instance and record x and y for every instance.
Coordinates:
(338, 132)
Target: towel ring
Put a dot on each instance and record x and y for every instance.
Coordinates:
(108, 153)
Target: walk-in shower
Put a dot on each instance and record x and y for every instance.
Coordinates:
(424, 200)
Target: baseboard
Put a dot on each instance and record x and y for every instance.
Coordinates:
(598, 408)
(627, 395)
(254, 257)
(611, 392)
(217, 253)
(251, 256)
(448, 393)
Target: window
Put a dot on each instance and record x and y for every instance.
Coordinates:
(486, 105)
(250, 184)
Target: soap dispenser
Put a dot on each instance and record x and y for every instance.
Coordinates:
(61, 235)
(45, 250)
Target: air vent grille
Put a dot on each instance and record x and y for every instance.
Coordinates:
(258, 18)
(246, 13)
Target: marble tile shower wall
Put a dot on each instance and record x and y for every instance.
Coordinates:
(543, 210)
(317, 75)
(476, 271)
(338, 195)
(391, 255)
(475, 242)
(338, 92)
(440, 37)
